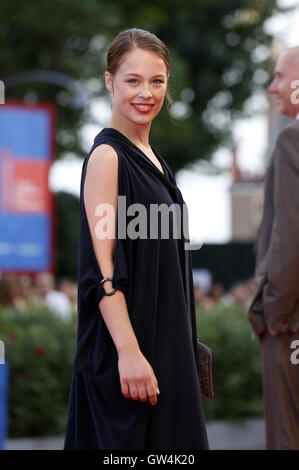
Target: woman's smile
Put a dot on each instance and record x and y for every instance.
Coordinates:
(142, 108)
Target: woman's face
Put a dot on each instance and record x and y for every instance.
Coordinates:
(138, 87)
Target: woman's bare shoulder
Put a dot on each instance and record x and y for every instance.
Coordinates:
(103, 155)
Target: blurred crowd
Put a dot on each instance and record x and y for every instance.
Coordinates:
(60, 295)
(239, 293)
(21, 291)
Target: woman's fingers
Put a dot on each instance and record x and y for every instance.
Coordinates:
(141, 388)
(142, 392)
(156, 382)
(125, 389)
(133, 391)
(152, 393)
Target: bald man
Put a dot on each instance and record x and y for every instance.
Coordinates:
(274, 310)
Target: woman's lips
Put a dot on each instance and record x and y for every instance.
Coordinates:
(142, 108)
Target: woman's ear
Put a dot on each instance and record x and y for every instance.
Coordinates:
(109, 81)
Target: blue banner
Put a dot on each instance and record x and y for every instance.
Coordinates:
(26, 202)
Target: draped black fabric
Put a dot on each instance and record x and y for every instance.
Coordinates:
(151, 272)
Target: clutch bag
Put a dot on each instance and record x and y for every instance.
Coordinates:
(205, 353)
(205, 369)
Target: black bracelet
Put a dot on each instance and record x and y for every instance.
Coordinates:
(108, 279)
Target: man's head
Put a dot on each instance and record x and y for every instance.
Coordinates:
(283, 84)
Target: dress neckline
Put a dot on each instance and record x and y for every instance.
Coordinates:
(144, 154)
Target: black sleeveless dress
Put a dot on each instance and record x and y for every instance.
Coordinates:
(151, 272)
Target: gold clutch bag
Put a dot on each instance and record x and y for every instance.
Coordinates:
(205, 369)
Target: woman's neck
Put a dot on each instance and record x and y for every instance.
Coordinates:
(139, 135)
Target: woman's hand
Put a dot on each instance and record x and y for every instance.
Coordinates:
(137, 378)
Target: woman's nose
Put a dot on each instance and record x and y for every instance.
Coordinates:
(145, 90)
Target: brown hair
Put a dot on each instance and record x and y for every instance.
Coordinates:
(128, 39)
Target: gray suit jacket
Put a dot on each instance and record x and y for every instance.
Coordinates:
(276, 299)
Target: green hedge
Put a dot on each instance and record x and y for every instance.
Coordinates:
(40, 347)
(237, 363)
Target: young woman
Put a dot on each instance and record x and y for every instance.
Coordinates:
(135, 383)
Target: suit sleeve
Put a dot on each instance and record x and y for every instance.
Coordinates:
(281, 292)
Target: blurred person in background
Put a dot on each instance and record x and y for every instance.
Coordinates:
(217, 292)
(7, 290)
(202, 285)
(202, 298)
(22, 291)
(69, 288)
(240, 293)
(274, 310)
(45, 291)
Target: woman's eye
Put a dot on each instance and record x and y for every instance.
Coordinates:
(134, 80)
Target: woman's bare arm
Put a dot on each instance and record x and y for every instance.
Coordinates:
(137, 376)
